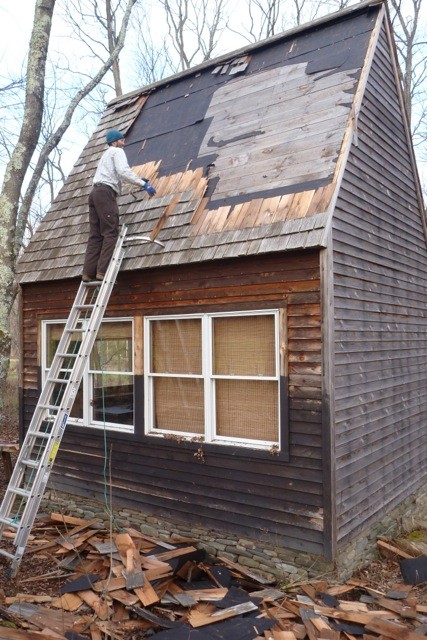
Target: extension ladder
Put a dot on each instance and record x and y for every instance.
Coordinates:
(34, 463)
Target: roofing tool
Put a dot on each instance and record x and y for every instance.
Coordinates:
(39, 449)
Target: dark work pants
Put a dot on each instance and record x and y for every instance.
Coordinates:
(103, 229)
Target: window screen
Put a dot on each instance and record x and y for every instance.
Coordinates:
(214, 375)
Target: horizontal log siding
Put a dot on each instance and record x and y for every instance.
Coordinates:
(252, 495)
(380, 285)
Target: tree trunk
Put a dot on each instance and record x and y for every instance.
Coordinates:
(53, 141)
(111, 27)
(16, 170)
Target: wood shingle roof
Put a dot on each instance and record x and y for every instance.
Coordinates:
(243, 151)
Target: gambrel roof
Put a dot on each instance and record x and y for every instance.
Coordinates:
(245, 152)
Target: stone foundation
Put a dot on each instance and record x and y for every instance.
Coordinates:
(407, 516)
(272, 562)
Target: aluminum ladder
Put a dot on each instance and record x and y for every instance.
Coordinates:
(37, 455)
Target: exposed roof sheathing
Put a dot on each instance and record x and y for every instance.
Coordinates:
(243, 152)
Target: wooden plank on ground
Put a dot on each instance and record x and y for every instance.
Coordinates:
(75, 522)
(306, 617)
(68, 602)
(200, 619)
(208, 595)
(146, 593)
(359, 617)
(27, 597)
(101, 608)
(174, 553)
(133, 572)
(58, 621)
(243, 571)
(393, 549)
(125, 597)
(110, 584)
(404, 610)
(393, 630)
(70, 543)
(95, 632)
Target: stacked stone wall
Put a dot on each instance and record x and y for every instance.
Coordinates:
(270, 561)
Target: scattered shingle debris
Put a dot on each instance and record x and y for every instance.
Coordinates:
(125, 585)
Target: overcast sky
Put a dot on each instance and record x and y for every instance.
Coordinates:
(16, 19)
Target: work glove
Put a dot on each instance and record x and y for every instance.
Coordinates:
(149, 189)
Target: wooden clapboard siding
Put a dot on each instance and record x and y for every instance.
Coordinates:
(380, 298)
(247, 493)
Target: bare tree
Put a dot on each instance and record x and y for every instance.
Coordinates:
(94, 22)
(53, 140)
(195, 27)
(10, 106)
(407, 25)
(15, 206)
(151, 61)
(266, 18)
(263, 17)
(17, 168)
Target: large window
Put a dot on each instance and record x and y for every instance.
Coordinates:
(214, 377)
(105, 396)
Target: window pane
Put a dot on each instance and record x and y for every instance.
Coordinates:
(244, 345)
(113, 398)
(176, 346)
(77, 409)
(57, 395)
(178, 404)
(53, 336)
(247, 409)
(112, 350)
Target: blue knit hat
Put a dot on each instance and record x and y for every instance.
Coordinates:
(113, 135)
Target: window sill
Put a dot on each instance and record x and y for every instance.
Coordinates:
(216, 448)
(127, 429)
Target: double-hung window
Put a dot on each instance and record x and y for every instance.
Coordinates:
(214, 377)
(106, 393)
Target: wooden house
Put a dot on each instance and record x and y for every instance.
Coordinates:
(265, 373)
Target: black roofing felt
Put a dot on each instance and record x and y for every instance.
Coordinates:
(172, 124)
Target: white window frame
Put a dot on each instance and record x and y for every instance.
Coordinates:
(209, 378)
(86, 383)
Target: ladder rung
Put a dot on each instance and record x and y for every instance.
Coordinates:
(39, 434)
(45, 430)
(20, 492)
(10, 522)
(34, 464)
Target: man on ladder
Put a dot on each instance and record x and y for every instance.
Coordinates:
(106, 249)
(113, 169)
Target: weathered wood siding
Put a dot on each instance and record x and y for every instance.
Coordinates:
(250, 493)
(380, 278)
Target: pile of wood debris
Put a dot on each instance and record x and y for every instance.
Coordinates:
(126, 586)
